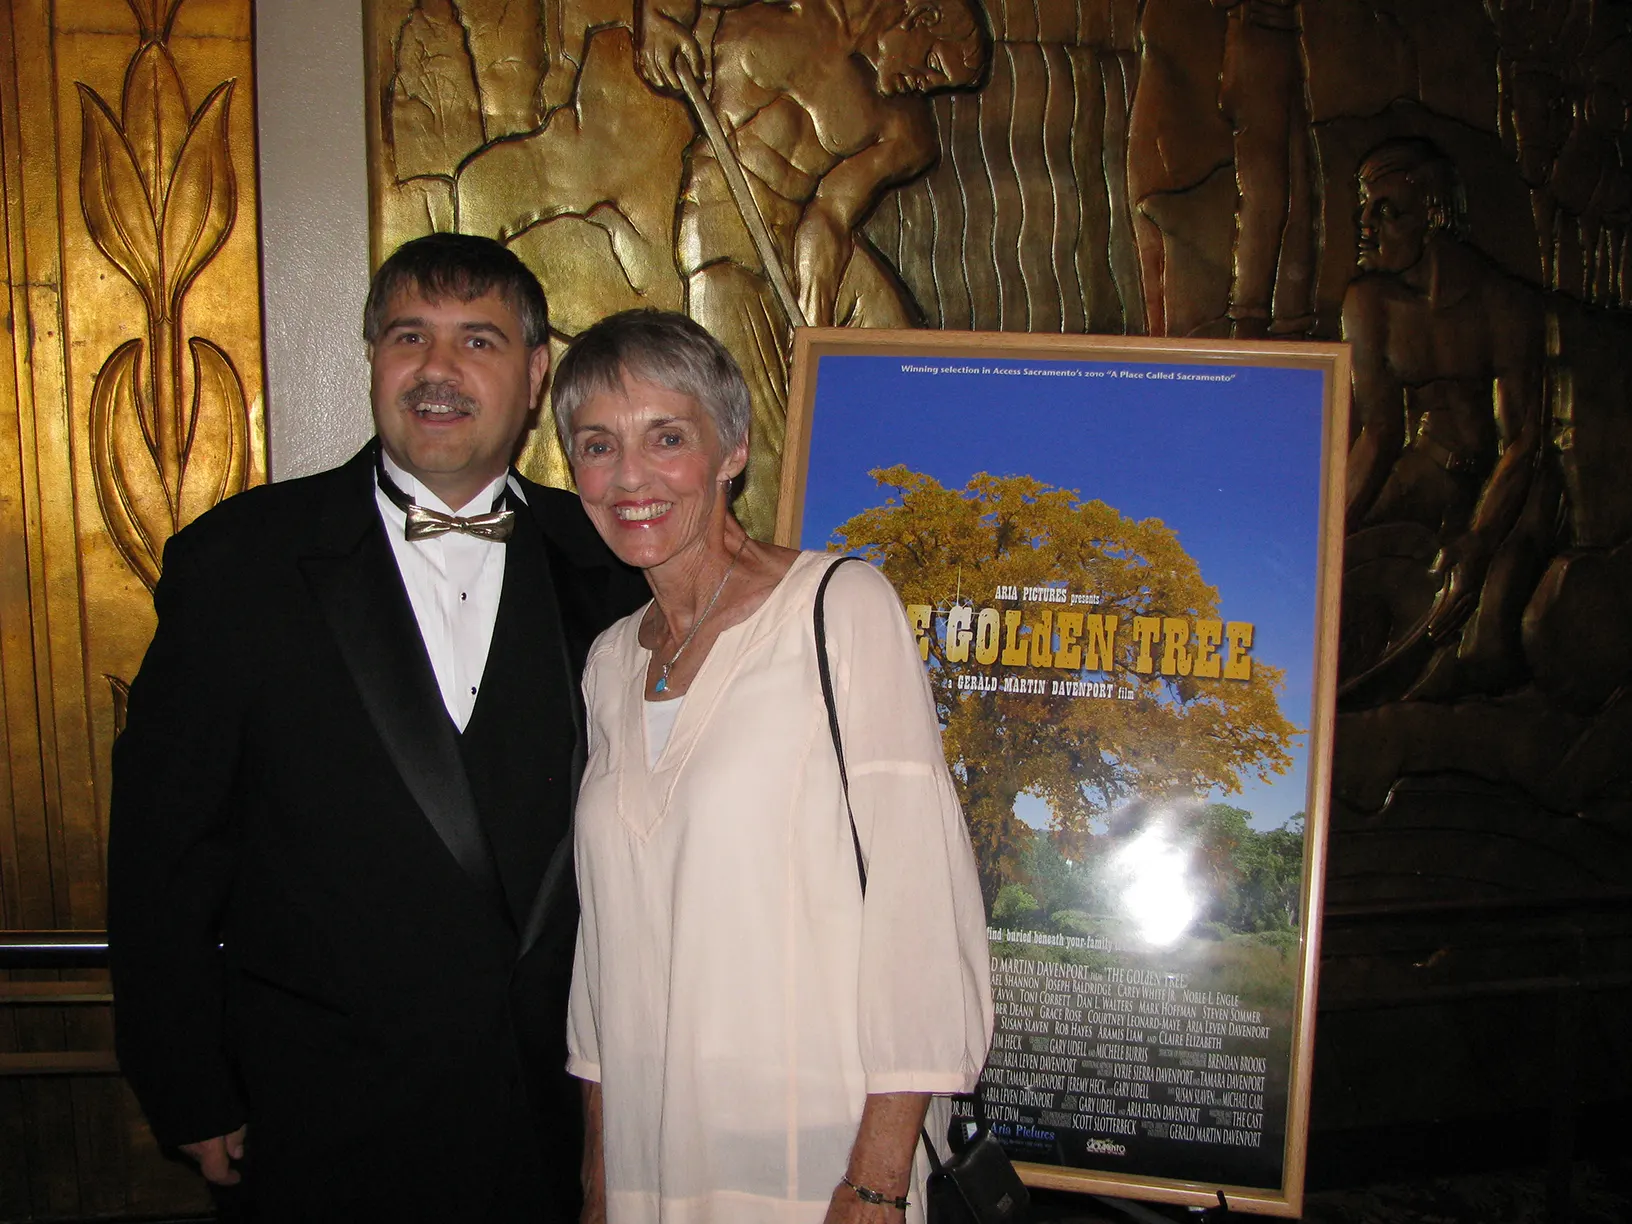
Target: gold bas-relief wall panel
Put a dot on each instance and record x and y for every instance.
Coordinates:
(1446, 185)
(132, 403)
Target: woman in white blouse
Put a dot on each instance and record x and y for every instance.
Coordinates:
(758, 1041)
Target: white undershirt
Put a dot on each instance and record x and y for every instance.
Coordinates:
(454, 582)
(660, 718)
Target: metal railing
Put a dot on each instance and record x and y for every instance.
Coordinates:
(51, 951)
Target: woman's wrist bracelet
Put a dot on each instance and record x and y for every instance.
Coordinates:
(875, 1197)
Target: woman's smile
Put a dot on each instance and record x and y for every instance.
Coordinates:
(642, 512)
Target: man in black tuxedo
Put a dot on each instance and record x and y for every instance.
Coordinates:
(341, 896)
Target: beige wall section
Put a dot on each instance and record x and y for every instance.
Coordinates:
(314, 230)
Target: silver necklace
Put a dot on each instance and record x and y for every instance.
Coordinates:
(662, 685)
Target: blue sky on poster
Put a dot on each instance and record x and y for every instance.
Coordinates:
(1233, 467)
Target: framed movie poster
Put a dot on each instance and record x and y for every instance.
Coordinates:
(1120, 559)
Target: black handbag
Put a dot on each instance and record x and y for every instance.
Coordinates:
(978, 1185)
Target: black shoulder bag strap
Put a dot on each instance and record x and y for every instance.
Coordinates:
(825, 670)
(982, 1188)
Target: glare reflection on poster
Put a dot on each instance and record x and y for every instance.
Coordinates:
(1119, 561)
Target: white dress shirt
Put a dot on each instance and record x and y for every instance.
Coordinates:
(454, 582)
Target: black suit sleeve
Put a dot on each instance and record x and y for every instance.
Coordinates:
(171, 853)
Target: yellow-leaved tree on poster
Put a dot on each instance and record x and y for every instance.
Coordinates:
(1179, 731)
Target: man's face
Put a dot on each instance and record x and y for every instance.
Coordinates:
(1393, 222)
(915, 55)
(453, 387)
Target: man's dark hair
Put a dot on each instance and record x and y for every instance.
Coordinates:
(463, 266)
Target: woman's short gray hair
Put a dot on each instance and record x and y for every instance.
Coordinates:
(657, 346)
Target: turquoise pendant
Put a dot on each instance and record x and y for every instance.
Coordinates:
(662, 685)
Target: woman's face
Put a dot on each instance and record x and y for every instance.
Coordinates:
(651, 470)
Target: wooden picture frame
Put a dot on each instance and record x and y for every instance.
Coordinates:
(1120, 558)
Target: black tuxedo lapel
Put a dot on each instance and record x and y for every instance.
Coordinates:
(518, 747)
(591, 591)
(568, 625)
(354, 578)
(557, 884)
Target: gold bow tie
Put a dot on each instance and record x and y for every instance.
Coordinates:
(426, 524)
(423, 524)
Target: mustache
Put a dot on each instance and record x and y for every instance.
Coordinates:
(437, 393)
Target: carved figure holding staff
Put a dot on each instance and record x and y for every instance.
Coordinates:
(823, 107)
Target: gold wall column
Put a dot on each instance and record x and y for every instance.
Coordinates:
(130, 402)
